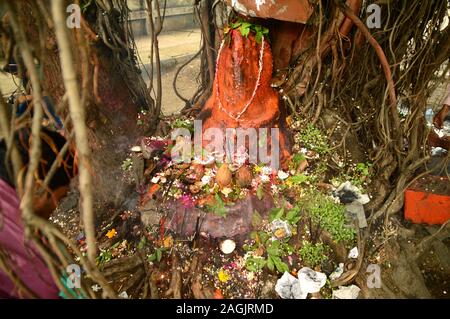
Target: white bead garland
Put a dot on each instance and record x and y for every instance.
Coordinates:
(258, 83)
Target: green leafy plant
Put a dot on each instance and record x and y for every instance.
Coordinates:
(156, 256)
(363, 168)
(297, 159)
(183, 123)
(246, 27)
(260, 192)
(276, 213)
(104, 257)
(292, 216)
(218, 207)
(126, 164)
(255, 264)
(313, 139)
(274, 251)
(106, 254)
(313, 254)
(359, 175)
(330, 216)
(142, 243)
(298, 179)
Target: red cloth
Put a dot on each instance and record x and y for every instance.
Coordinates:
(26, 260)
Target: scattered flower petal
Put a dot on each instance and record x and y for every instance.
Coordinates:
(110, 234)
(223, 276)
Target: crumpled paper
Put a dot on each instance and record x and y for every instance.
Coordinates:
(348, 193)
(281, 229)
(311, 281)
(308, 281)
(356, 210)
(288, 287)
(337, 273)
(123, 295)
(353, 254)
(346, 292)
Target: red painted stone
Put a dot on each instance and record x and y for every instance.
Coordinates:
(428, 201)
(237, 72)
(287, 10)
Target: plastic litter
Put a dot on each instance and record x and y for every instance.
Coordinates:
(311, 281)
(123, 295)
(348, 193)
(280, 228)
(353, 254)
(288, 287)
(348, 292)
(337, 273)
(438, 151)
(356, 210)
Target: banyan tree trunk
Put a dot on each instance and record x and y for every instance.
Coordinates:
(242, 95)
(111, 104)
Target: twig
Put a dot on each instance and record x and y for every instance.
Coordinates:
(176, 280)
(155, 49)
(78, 119)
(56, 163)
(175, 78)
(35, 153)
(382, 57)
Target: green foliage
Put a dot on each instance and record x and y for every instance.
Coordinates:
(255, 263)
(275, 262)
(106, 255)
(292, 216)
(275, 250)
(218, 207)
(126, 164)
(297, 159)
(156, 256)
(256, 219)
(246, 27)
(183, 123)
(359, 175)
(142, 243)
(313, 254)
(276, 213)
(362, 174)
(313, 139)
(298, 179)
(260, 192)
(85, 5)
(330, 216)
(363, 168)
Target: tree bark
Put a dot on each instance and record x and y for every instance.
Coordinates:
(111, 107)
